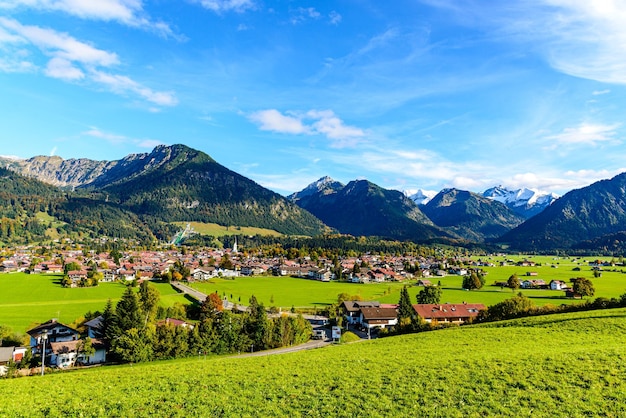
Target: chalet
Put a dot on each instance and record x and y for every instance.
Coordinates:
(424, 282)
(533, 284)
(378, 317)
(50, 332)
(351, 309)
(323, 275)
(558, 285)
(449, 313)
(67, 353)
(203, 273)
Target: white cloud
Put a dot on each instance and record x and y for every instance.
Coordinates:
(73, 60)
(109, 137)
(273, 120)
(116, 139)
(122, 84)
(220, 6)
(63, 69)
(334, 128)
(53, 151)
(321, 122)
(302, 14)
(588, 134)
(127, 12)
(60, 45)
(601, 92)
(334, 17)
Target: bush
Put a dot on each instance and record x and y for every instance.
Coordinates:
(349, 337)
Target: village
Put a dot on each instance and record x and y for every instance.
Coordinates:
(66, 347)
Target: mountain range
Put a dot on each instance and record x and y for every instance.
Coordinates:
(142, 195)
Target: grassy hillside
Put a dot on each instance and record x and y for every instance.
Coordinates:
(571, 365)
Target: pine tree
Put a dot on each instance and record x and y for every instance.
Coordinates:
(406, 313)
(128, 311)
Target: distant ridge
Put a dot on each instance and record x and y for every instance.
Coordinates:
(579, 216)
(524, 202)
(363, 208)
(470, 216)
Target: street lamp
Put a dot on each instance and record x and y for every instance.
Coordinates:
(43, 337)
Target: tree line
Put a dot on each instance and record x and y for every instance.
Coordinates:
(132, 331)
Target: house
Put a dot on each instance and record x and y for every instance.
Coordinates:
(175, 322)
(51, 331)
(8, 355)
(448, 313)
(351, 309)
(558, 285)
(423, 282)
(203, 273)
(378, 317)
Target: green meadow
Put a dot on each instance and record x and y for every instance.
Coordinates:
(567, 365)
(216, 230)
(29, 299)
(289, 291)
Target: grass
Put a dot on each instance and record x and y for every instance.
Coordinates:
(289, 291)
(569, 365)
(29, 299)
(216, 230)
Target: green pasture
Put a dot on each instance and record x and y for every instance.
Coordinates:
(568, 365)
(29, 299)
(288, 291)
(216, 230)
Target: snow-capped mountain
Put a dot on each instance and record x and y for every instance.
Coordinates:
(525, 202)
(420, 196)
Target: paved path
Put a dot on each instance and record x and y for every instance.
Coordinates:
(200, 297)
(309, 345)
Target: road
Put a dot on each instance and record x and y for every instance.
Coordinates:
(200, 297)
(309, 345)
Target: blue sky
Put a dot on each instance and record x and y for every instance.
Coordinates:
(407, 94)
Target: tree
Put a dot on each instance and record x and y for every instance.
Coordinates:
(507, 309)
(406, 313)
(430, 294)
(210, 307)
(149, 299)
(86, 348)
(128, 311)
(513, 282)
(583, 287)
(109, 328)
(133, 346)
(473, 281)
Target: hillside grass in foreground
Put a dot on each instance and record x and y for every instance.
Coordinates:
(568, 365)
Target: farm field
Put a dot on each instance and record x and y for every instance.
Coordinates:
(29, 299)
(568, 365)
(220, 230)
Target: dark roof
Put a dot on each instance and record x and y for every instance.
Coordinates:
(370, 314)
(355, 305)
(47, 326)
(95, 323)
